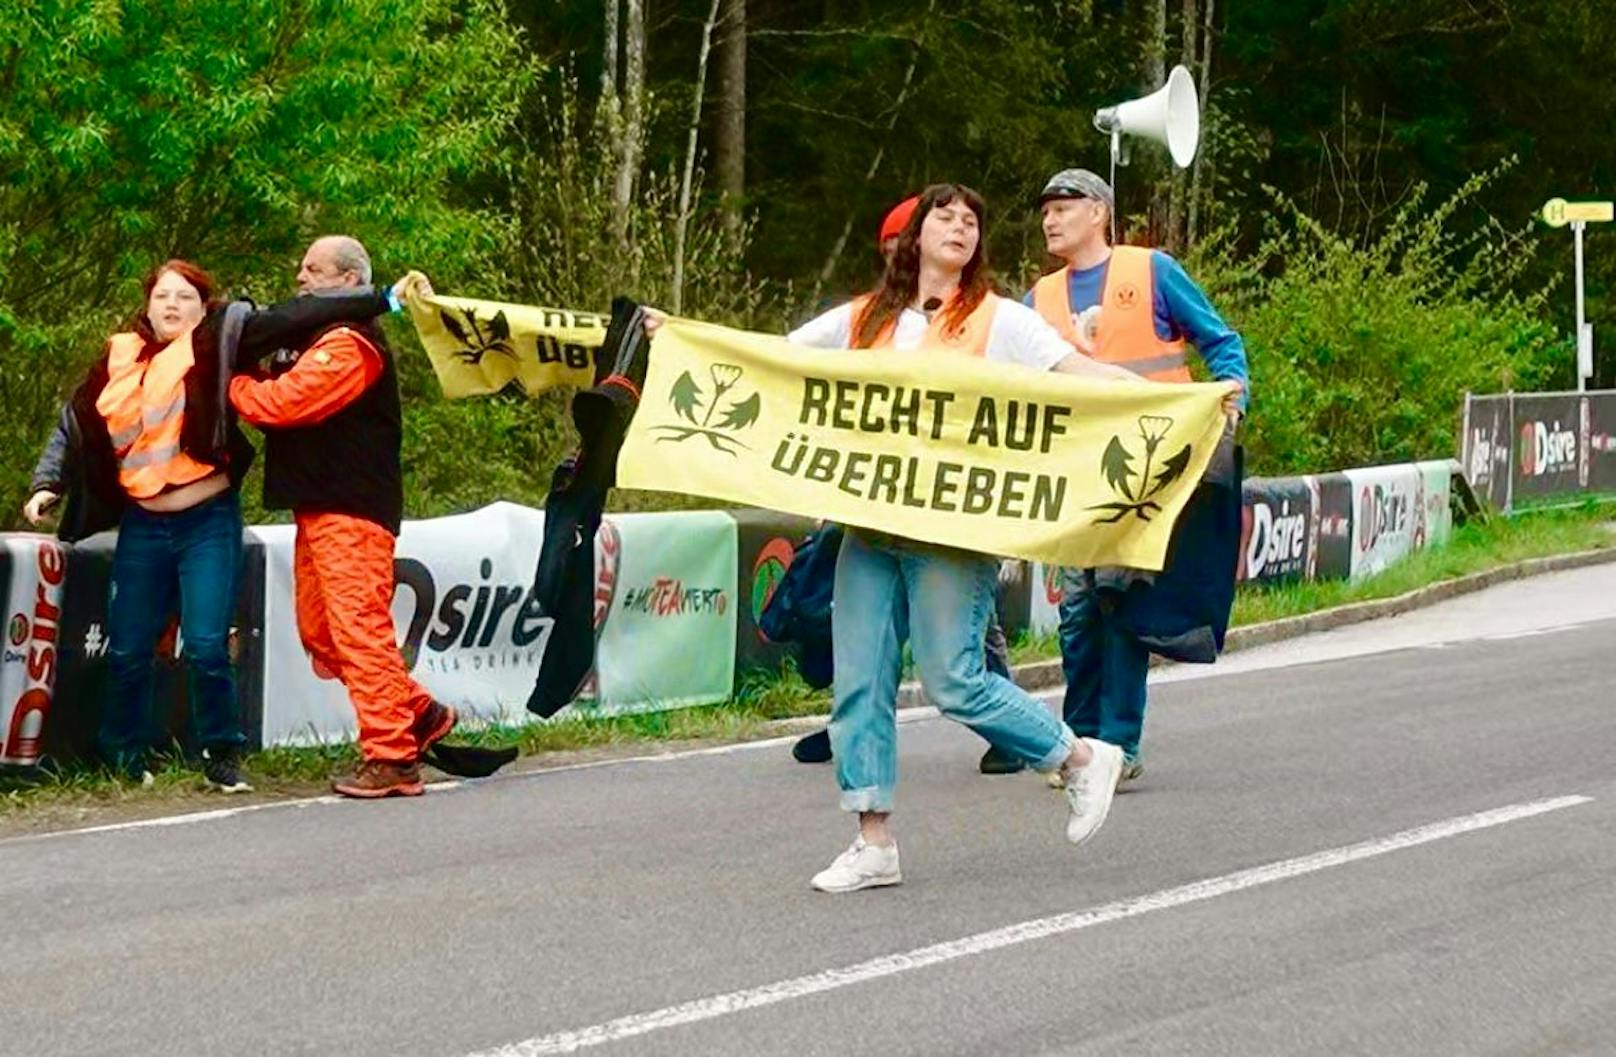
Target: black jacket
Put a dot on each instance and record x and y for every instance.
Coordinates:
(1182, 612)
(564, 582)
(78, 462)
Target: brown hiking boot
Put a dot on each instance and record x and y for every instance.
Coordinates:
(432, 725)
(379, 778)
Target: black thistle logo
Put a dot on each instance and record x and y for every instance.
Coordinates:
(686, 398)
(478, 339)
(1138, 490)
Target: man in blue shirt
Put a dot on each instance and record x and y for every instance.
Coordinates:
(1095, 301)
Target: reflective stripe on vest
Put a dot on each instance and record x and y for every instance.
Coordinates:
(143, 404)
(971, 339)
(1127, 329)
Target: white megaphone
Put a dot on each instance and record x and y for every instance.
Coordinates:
(1169, 115)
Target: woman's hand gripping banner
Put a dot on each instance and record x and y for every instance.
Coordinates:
(945, 449)
(479, 347)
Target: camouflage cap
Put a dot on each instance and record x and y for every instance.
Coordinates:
(1078, 183)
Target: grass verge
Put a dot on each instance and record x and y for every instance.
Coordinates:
(1475, 547)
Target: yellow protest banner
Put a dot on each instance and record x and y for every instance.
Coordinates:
(931, 446)
(479, 347)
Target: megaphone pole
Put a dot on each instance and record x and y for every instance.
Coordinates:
(1116, 158)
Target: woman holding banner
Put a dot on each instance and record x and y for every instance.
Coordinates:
(936, 296)
(148, 443)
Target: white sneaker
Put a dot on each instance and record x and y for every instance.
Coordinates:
(860, 866)
(1130, 772)
(1090, 789)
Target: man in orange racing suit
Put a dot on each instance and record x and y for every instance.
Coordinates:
(333, 425)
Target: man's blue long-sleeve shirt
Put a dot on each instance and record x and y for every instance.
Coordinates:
(1182, 311)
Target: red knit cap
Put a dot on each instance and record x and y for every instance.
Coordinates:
(897, 220)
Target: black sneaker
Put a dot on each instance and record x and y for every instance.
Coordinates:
(996, 762)
(222, 769)
(815, 748)
(1131, 771)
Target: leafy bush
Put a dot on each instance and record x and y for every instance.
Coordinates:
(1361, 351)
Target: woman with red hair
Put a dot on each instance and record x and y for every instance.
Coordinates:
(937, 297)
(148, 443)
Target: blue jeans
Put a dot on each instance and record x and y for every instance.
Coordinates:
(194, 557)
(948, 596)
(1105, 667)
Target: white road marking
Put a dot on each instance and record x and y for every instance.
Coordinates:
(1042, 928)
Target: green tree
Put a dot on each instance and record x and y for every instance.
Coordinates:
(230, 132)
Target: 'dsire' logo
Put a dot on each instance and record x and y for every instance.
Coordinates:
(1547, 449)
(687, 400)
(1278, 541)
(1138, 490)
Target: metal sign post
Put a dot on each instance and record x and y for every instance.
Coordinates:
(1585, 336)
(1557, 213)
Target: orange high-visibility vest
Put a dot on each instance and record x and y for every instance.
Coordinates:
(1127, 331)
(971, 338)
(143, 403)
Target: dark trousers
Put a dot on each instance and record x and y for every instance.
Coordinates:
(192, 557)
(1105, 667)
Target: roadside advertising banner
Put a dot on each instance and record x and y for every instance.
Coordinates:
(670, 630)
(1436, 525)
(1598, 421)
(465, 624)
(1278, 529)
(1549, 458)
(1486, 447)
(1013, 600)
(35, 568)
(1335, 506)
(1386, 498)
(766, 544)
(1044, 609)
(1399, 509)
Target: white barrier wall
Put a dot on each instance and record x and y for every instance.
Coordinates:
(665, 616)
(666, 607)
(1398, 510)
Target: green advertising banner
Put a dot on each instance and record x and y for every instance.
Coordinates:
(668, 640)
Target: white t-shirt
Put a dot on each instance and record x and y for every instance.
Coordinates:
(1017, 335)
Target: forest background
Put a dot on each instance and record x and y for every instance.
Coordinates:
(1362, 209)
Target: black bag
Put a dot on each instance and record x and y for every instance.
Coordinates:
(800, 610)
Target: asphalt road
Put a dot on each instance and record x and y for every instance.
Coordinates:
(1391, 839)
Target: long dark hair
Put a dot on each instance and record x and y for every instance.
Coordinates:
(900, 284)
(191, 273)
